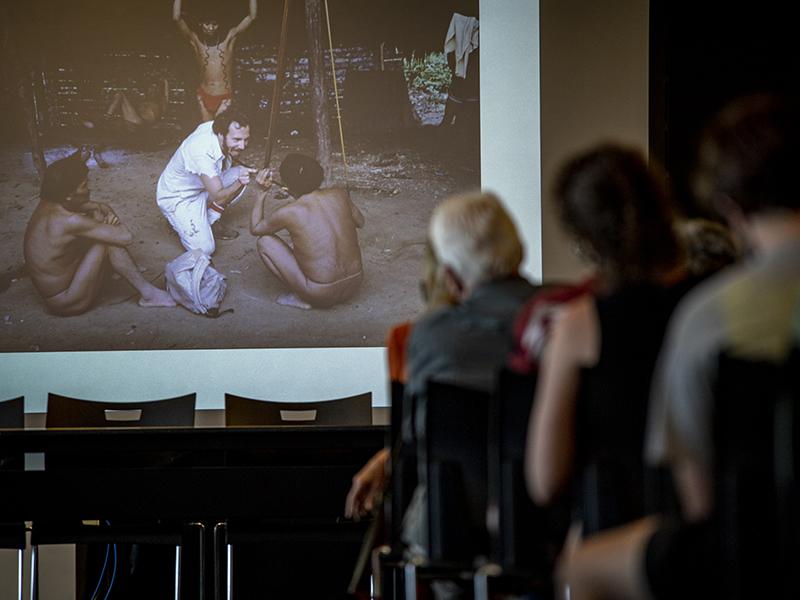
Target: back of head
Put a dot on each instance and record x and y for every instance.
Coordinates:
(617, 206)
(748, 155)
(709, 245)
(223, 120)
(474, 236)
(63, 177)
(301, 174)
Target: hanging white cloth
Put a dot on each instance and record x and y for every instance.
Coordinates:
(463, 36)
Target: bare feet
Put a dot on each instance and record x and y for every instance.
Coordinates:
(157, 298)
(292, 300)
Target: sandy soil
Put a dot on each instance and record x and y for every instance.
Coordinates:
(395, 189)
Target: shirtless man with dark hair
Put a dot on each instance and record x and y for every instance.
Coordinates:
(214, 56)
(68, 240)
(322, 267)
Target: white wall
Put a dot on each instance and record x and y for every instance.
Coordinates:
(510, 123)
(283, 374)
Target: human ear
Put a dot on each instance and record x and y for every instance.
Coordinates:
(454, 284)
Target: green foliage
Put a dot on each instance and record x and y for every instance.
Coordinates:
(429, 74)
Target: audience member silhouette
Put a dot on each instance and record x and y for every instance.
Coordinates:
(746, 171)
(588, 421)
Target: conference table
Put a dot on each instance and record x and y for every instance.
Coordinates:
(207, 475)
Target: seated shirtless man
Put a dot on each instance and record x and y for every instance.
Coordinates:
(68, 240)
(322, 267)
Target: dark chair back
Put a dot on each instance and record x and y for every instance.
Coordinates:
(524, 537)
(455, 442)
(757, 503)
(12, 413)
(353, 410)
(12, 416)
(63, 411)
(404, 466)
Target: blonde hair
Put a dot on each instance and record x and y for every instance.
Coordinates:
(475, 236)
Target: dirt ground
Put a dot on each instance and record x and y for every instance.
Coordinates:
(396, 181)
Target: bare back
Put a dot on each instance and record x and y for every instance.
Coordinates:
(324, 238)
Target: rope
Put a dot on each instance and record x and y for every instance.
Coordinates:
(336, 93)
(276, 91)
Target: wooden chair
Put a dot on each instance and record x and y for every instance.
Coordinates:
(455, 468)
(67, 412)
(12, 535)
(352, 410)
(757, 500)
(273, 535)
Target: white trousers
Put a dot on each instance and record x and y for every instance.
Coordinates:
(192, 219)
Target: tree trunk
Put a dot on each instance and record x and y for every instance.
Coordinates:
(319, 96)
(26, 97)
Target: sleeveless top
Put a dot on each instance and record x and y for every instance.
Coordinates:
(612, 407)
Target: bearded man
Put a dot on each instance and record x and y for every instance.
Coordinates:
(200, 180)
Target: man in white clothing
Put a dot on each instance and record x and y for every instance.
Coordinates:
(200, 182)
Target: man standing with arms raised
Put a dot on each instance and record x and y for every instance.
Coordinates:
(214, 56)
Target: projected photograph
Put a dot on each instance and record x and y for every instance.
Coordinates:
(181, 174)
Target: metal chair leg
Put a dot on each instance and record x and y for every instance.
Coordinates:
(481, 580)
(230, 572)
(376, 579)
(410, 577)
(177, 572)
(20, 560)
(34, 572)
(220, 536)
(202, 556)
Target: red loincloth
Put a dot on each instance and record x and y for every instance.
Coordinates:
(210, 101)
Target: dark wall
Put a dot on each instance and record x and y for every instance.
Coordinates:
(73, 54)
(704, 56)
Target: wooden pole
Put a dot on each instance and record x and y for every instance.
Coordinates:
(274, 107)
(24, 85)
(319, 92)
